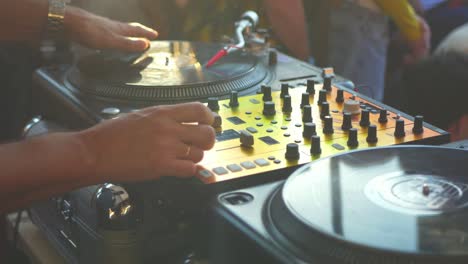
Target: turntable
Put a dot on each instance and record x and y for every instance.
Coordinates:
(400, 204)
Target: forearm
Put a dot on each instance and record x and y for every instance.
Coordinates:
(289, 25)
(43, 166)
(404, 17)
(22, 20)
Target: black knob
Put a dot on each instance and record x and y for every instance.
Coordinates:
(309, 130)
(315, 148)
(287, 108)
(400, 128)
(272, 58)
(284, 90)
(418, 125)
(372, 134)
(234, 100)
(347, 124)
(292, 151)
(352, 138)
(307, 114)
(364, 118)
(266, 93)
(322, 97)
(324, 110)
(383, 116)
(269, 108)
(328, 125)
(311, 86)
(339, 96)
(327, 81)
(213, 103)
(305, 99)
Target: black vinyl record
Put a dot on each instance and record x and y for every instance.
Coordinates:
(170, 71)
(401, 204)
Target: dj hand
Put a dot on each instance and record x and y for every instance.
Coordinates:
(102, 33)
(421, 47)
(150, 143)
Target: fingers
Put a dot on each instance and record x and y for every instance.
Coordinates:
(184, 113)
(194, 154)
(202, 136)
(180, 168)
(140, 31)
(129, 43)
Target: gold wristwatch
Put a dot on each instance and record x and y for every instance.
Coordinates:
(54, 35)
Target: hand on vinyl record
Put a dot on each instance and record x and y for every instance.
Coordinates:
(102, 33)
(150, 143)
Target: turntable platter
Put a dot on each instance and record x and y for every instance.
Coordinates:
(387, 205)
(174, 71)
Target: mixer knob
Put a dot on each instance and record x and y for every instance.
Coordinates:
(307, 114)
(418, 125)
(400, 128)
(339, 96)
(292, 151)
(272, 58)
(246, 139)
(269, 108)
(287, 108)
(213, 104)
(284, 90)
(372, 134)
(311, 86)
(353, 138)
(234, 100)
(218, 121)
(309, 130)
(322, 97)
(327, 81)
(383, 116)
(346, 121)
(315, 148)
(266, 93)
(328, 126)
(324, 110)
(364, 118)
(305, 99)
(352, 106)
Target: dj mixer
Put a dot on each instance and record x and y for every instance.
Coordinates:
(303, 122)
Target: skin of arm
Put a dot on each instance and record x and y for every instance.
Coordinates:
(287, 19)
(140, 146)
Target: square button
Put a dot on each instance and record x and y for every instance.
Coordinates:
(248, 165)
(262, 162)
(220, 171)
(205, 173)
(234, 167)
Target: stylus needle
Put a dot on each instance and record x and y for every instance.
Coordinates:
(223, 52)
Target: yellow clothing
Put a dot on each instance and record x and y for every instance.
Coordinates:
(402, 13)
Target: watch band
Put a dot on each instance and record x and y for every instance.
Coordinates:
(54, 35)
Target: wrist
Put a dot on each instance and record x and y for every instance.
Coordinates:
(86, 152)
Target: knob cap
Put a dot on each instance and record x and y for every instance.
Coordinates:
(287, 108)
(352, 138)
(400, 128)
(339, 96)
(272, 58)
(322, 97)
(218, 121)
(372, 134)
(269, 108)
(246, 139)
(315, 148)
(284, 90)
(213, 104)
(292, 151)
(234, 100)
(352, 106)
(364, 118)
(309, 130)
(328, 125)
(311, 86)
(307, 114)
(305, 99)
(347, 124)
(324, 110)
(327, 81)
(418, 125)
(383, 116)
(266, 93)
